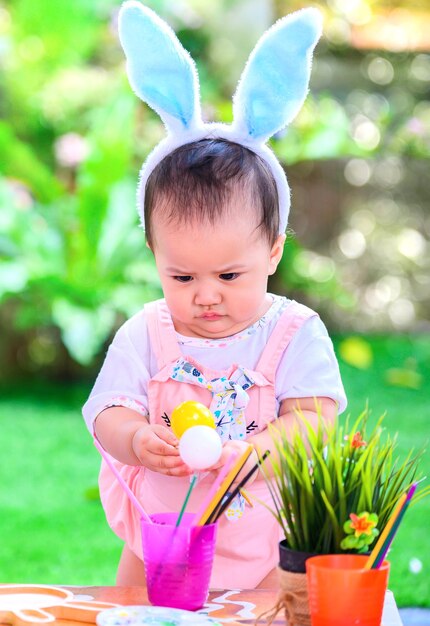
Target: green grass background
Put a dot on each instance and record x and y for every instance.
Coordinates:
(52, 527)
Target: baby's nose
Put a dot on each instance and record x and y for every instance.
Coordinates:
(207, 295)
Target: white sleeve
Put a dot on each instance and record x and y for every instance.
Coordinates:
(124, 376)
(309, 368)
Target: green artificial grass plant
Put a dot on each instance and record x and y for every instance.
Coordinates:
(335, 488)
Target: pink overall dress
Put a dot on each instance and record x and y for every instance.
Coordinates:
(247, 549)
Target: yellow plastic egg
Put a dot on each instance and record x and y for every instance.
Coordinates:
(189, 414)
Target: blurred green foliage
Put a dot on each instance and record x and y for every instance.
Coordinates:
(73, 263)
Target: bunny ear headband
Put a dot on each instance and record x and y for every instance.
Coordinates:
(270, 93)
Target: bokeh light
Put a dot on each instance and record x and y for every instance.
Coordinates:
(357, 172)
(352, 243)
(380, 70)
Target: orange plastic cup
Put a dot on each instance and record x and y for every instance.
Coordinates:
(342, 592)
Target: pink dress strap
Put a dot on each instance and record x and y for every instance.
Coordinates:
(294, 316)
(162, 333)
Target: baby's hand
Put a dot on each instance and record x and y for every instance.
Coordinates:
(232, 445)
(156, 447)
(235, 445)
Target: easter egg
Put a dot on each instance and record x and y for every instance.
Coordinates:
(189, 414)
(200, 447)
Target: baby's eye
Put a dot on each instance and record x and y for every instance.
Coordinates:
(229, 276)
(183, 279)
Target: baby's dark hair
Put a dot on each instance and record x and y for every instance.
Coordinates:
(196, 180)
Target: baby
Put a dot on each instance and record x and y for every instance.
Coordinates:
(214, 202)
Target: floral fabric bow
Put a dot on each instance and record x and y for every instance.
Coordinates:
(229, 401)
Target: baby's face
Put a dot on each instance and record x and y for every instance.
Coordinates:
(214, 277)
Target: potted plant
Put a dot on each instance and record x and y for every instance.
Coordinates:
(333, 491)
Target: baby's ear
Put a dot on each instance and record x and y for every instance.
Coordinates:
(276, 253)
(160, 70)
(274, 83)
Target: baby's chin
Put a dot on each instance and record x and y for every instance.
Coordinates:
(212, 329)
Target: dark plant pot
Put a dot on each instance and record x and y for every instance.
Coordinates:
(291, 560)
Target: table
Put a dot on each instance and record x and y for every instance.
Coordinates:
(232, 607)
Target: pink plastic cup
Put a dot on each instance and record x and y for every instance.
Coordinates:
(178, 560)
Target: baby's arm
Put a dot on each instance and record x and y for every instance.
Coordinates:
(130, 438)
(289, 421)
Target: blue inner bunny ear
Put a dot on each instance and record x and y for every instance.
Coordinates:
(160, 70)
(274, 83)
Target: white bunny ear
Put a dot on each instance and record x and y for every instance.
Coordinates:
(160, 70)
(274, 83)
